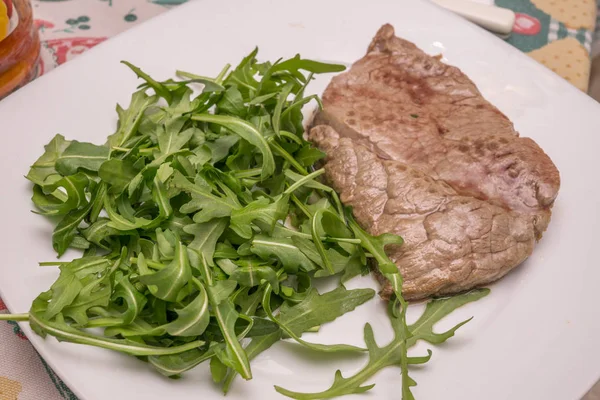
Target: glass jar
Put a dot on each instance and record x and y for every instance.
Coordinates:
(20, 50)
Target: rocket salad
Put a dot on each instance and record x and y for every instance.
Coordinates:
(204, 225)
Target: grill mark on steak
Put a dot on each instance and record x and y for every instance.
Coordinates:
(416, 150)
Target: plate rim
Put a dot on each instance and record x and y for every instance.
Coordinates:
(38, 342)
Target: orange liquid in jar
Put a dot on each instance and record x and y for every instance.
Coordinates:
(19, 51)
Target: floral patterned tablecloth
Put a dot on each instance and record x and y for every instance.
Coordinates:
(557, 33)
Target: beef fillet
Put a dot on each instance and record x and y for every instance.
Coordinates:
(416, 150)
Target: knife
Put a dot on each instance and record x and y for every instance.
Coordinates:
(495, 19)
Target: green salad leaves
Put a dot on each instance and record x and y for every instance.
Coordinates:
(204, 225)
(393, 354)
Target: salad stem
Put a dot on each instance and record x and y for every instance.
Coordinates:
(14, 317)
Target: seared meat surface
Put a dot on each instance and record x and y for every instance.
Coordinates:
(416, 150)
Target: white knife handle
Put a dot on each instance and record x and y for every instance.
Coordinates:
(495, 19)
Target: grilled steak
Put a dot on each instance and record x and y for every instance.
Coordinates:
(416, 150)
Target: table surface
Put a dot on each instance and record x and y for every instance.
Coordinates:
(558, 33)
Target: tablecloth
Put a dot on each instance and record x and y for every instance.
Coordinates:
(557, 33)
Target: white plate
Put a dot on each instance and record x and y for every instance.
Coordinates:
(534, 337)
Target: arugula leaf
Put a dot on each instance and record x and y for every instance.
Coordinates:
(211, 206)
(220, 147)
(281, 101)
(243, 75)
(99, 233)
(117, 173)
(296, 63)
(65, 230)
(327, 348)
(235, 356)
(48, 204)
(74, 186)
(391, 354)
(318, 309)
(251, 276)
(247, 132)
(232, 102)
(341, 263)
(218, 370)
(309, 155)
(334, 226)
(225, 250)
(43, 170)
(64, 291)
(161, 198)
(134, 299)
(205, 237)
(227, 266)
(172, 141)
(158, 87)
(305, 181)
(193, 319)
(355, 265)
(123, 222)
(83, 155)
(97, 200)
(314, 223)
(309, 249)
(284, 249)
(82, 267)
(376, 246)
(170, 280)
(63, 331)
(315, 310)
(166, 242)
(263, 210)
(129, 120)
(96, 277)
(176, 364)
(262, 98)
(436, 309)
(221, 290)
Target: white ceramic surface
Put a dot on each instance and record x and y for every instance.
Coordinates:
(534, 337)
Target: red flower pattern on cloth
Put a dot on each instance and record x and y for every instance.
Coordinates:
(526, 24)
(17, 331)
(40, 23)
(67, 48)
(58, 51)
